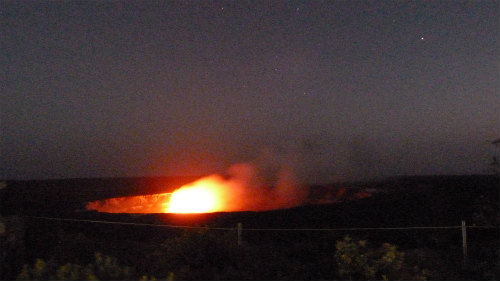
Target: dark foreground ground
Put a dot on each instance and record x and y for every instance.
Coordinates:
(279, 252)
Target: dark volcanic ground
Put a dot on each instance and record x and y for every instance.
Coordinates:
(395, 202)
(401, 201)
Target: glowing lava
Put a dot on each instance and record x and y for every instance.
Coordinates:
(202, 196)
(141, 204)
(244, 189)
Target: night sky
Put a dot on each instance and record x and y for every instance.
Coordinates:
(347, 89)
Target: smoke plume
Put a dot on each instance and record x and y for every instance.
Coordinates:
(245, 187)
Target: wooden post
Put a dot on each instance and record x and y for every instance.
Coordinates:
(239, 228)
(464, 243)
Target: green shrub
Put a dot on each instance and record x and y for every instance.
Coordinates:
(103, 268)
(356, 261)
(200, 254)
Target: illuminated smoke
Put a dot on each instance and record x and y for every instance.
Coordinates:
(155, 203)
(245, 188)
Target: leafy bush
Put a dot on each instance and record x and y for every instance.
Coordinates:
(103, 268)
(356, 261)
(208, 254)
(200, 254)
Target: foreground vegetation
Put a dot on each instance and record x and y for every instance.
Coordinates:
(209, 254)
(55, 250)
(202, 255)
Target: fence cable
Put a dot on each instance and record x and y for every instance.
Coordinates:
(133, 223)
(264, 229)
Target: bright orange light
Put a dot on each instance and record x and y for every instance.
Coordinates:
(243, 190)
(154, 203)
(202, 196)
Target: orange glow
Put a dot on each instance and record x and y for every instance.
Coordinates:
(243, 190)
(202, 196)
(155, 203)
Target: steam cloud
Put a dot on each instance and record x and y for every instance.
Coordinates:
(250, 190)
(245, 187)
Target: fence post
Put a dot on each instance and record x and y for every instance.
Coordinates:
(464, 243)
(239, 228)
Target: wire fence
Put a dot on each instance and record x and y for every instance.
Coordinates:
(131, 223)
(239, 229)
(265, 229)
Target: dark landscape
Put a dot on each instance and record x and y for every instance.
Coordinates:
(418, 201)
(249, 140)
